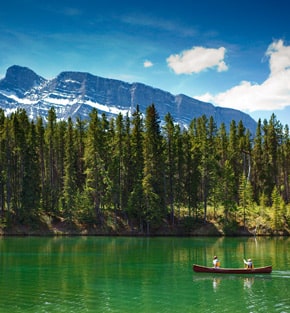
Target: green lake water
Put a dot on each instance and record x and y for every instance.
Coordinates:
(120, 274)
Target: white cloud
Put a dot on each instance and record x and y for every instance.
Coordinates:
(272, 94)
(198, 59)
(279, 56)
(148, 63)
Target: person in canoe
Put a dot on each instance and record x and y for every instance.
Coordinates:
(216, 263)
(249, 263)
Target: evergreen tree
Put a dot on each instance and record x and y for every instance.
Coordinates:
(31, 193)
(136, 196)
(41, 152)
(3, 165)
(206, 133)
(228, 184)
(234, 158)
(222, 152)
(19, 129)
(170, 162)
(258, 171)
(117, 162)
(285, 165)
(272, 141)
(50, 200)
(245, 196)
(153, 180)
(70, 189)
(129, 171)
(277, 206)
(192, 177)
(60, 154)
(96, 167)
(80, 138)
(179, 170)
(8, 163)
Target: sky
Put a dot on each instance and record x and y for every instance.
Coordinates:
(233, 54)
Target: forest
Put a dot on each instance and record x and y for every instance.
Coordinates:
(144, 174)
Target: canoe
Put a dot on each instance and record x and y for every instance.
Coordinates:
(256, 270)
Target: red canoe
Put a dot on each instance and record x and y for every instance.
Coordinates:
(257, 270)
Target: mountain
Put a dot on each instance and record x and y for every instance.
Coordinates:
(76, 93)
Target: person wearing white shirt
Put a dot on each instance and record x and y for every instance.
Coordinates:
(216, 262)
(249, 263)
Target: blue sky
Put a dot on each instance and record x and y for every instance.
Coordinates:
(230, 53)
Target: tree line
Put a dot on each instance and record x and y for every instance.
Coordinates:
(140, 169)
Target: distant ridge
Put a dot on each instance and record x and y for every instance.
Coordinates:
(77, 93)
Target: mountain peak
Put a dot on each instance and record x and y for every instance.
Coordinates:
(20, 79)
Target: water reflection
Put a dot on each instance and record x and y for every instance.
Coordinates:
(248, 282)
(215, 283)
(218, 281)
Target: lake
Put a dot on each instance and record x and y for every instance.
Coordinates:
(124, 274)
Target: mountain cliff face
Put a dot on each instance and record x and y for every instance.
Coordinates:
(76, 93)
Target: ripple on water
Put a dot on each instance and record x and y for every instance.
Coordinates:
(281, 274)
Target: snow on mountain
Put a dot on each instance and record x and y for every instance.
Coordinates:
(76, 93)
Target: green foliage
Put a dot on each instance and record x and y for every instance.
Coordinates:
(278, 208)
(132, 168)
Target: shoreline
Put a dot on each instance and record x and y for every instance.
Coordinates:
(62, 228)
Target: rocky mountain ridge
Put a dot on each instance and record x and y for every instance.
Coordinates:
(76, 93)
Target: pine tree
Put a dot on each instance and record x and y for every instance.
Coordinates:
(258, 170)
(221, 155)
(285, 164)
(277, 206)
(272, 142)
(50, 200)
(41, 152)
(80, 138)
(206, 132)
(245, 196)
(8, 172)
(170, 162)
(31, 192)
(2, 162)
(129, 171)
(179, 171)
(70, 189)
(19, 128)
(153, 180)
(136, 197)
(60, 155)
(117, 170)
(234, 159)
(192, 176)
(228, 185)
(96, 164)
